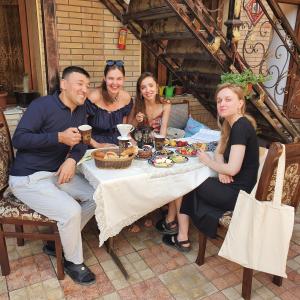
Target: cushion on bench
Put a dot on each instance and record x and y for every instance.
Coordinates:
(179, 115)
(11, 207)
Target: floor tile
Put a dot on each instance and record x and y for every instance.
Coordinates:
(187, 283)
(148, 289)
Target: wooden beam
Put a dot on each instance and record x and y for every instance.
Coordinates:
(50, 44)
(25, 45)
(295, 2)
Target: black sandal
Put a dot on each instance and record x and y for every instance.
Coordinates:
(171, 241)
(80, 273)
(166, 228)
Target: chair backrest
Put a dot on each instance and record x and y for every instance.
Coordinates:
(179, 115)
(291, 186)
(6, 151)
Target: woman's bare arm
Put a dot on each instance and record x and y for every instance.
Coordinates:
(236, 157)
(165, 119)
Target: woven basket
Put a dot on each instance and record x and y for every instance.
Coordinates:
(114, 163)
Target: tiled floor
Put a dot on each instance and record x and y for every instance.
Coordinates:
(156, 271)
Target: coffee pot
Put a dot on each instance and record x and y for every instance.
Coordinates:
(143, 135)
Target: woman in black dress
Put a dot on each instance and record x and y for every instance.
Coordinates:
(236, 161)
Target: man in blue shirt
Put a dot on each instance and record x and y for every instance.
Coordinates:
(43, 175)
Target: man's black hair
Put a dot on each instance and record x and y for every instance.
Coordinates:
(67, 71)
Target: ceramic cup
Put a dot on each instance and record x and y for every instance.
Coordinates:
(86, 133)
(124, 129)
(159, 142)
(123, 143)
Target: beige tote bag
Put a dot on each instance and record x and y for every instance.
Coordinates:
(259, 233)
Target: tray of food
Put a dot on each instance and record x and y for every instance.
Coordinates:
(161, 162)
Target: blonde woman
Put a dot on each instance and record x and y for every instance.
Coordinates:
(236, 161)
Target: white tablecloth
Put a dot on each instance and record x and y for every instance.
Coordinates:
(124, 196)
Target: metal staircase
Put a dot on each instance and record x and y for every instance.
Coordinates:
(186, 37)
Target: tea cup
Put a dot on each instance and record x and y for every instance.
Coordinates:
(86, 133)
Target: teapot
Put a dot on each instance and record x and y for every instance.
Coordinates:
(143, 135)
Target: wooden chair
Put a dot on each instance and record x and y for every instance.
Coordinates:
(265, 190)
(13, 211)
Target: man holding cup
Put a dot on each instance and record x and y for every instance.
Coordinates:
(42, 176)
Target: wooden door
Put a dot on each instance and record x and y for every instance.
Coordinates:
(14, 47)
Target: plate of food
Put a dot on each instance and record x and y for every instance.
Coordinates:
(187, 151)
(174, 143)
(161, 162)
(205, 146)
(164, 152)
(145, 152)
(178, 158)
(200, 146)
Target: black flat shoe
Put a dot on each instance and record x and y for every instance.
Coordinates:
(49, 249)
(166, 228)
(171, 241)
(80, 273)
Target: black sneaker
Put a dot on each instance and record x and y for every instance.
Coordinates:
(80, 273)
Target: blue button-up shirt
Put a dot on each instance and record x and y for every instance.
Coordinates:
(36, 136)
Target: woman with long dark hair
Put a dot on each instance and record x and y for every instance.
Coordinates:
(108, 105)
(149, 108)
(236, 161)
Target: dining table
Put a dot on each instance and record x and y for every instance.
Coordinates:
(123, 196)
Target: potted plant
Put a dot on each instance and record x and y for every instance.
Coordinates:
(246, 79)
(169, 89)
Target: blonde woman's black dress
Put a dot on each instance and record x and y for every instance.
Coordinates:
(207, 203)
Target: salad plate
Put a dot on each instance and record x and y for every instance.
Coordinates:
(161, 162)
(179, 159)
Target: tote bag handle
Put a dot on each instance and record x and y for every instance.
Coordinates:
(278, 180)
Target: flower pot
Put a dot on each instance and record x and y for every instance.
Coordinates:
(249, 88)
(3, 99)
(179, 90)
(169, 91)
(25, 98)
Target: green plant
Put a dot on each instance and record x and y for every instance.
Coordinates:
(170, 79)
(244, 79)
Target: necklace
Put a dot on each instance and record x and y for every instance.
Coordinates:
(115, 99)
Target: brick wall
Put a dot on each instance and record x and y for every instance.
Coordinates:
(88, 35)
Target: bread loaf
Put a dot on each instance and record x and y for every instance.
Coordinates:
(129, 151)
(111, 155)
(99, 154)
